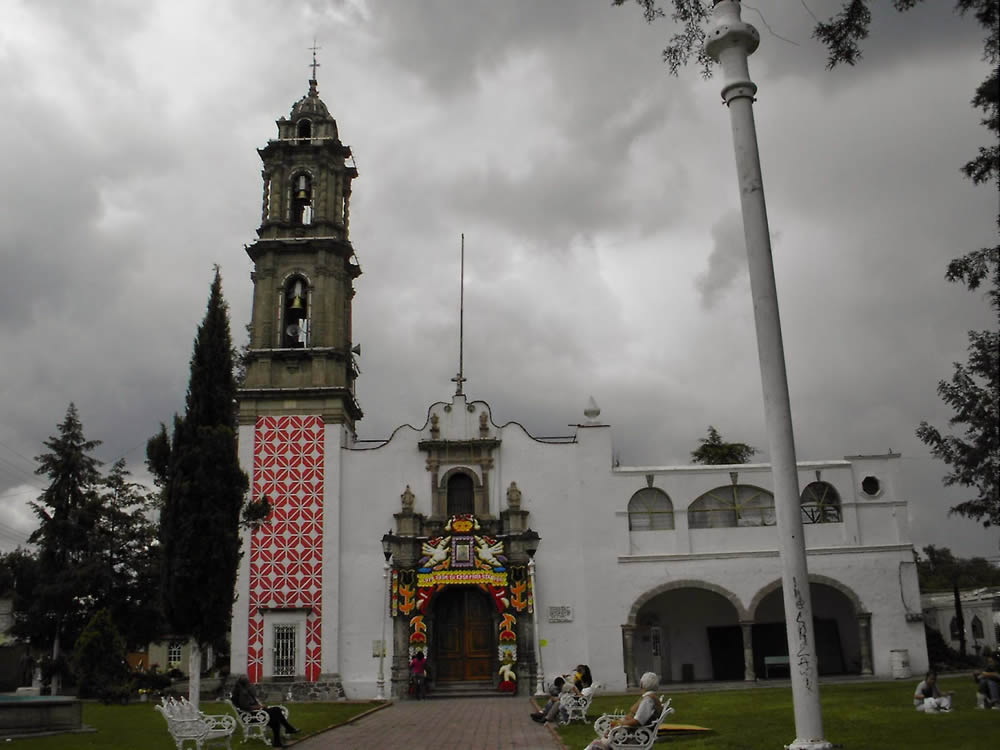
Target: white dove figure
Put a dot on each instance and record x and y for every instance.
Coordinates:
(488, 553)
(438, 554)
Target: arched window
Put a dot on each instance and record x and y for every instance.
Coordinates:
(650, 509)
(302, 200)
(296, 314)
(977, 628)
(735, 505)
(461, 494)
(304, 130)
(956, 634)
(820, 503)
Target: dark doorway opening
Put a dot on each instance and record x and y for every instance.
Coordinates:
(725, 643)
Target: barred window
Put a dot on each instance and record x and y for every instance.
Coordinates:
(174, 650)
(820, 503)
(977, 628)
(650, 509)
(735, 505)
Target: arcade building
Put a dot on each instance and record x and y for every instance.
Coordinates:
(487, 548)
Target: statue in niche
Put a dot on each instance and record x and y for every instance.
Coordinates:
(407, 499)
(513, 497)
(484, 427)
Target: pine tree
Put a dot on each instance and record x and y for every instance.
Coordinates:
(68, 511)
(715, 451)
(203, 492)
(129, 576)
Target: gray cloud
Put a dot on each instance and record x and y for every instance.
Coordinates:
(726, 262)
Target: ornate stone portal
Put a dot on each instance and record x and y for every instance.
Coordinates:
(462, 555)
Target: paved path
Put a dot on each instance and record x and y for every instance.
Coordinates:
(454, 724)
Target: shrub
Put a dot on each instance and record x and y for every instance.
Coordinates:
(99, 660)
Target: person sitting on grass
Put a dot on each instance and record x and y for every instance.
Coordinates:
(644, 712)
(929, 698)
(988, 684)
(245, 699)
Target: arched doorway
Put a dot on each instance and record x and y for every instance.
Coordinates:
(464, 640)
(835, 624)
(689, 632)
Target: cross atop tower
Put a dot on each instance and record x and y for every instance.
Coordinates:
(314, 64)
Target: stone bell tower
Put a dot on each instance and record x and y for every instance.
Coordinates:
(297, 407)
(300, 359)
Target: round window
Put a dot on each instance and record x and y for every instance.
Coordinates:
(871, 486)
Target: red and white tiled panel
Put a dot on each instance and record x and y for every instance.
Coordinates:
(286, 554)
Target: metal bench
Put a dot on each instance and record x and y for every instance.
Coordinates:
(775, 661)
(574, 707)
(627, 738)
(253, 723)
(187, 724)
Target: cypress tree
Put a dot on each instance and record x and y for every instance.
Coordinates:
(203, 492)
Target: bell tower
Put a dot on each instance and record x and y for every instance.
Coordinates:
(300, 359)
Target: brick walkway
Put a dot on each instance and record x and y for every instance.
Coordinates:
(458, 724)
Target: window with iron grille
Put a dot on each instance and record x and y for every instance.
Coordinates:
(284, 650)
(174, 649)
(820, 503)
(736, 505)
(650, 509)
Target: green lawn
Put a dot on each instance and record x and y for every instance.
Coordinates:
(858, 716)
(137, 725)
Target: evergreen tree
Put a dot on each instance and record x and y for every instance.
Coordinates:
(68, 512)
(129, 575)
(974, 389)
(99, 660)
(715, 451)
(203, 492)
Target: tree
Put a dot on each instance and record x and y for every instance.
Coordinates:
(99, 660)
(203, 489)
(974, 389)
(68, 511)
(714, 451)
(941, 570)
(129, 573)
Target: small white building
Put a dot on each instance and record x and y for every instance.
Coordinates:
(673, 569)
(980, 611)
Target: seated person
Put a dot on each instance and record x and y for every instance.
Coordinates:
(644, 712)
(559, 686)
(583, 680)
(245, 699)
(928, 697)
(988, 682)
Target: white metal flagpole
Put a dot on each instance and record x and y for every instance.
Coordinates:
(730, 41)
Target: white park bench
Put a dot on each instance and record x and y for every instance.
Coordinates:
(775, 661)
(627, 738)
(574, 707)
(253, 723)
(187, 724)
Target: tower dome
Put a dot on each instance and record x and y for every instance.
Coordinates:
(310, 105)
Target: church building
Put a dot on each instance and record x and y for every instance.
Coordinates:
(501, 555)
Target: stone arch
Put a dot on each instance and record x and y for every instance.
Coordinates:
(833, 583)
(471, 473)
(685, 584)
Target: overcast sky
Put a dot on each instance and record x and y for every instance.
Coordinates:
(597, 194)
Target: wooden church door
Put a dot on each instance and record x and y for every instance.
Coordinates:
(463, 632)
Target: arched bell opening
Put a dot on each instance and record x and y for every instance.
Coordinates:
(302, 199)
(295, 315)
(304, 130)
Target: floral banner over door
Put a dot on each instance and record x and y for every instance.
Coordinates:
(464, 557)
(286, 554)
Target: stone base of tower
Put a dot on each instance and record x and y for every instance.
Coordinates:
(328, 687)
